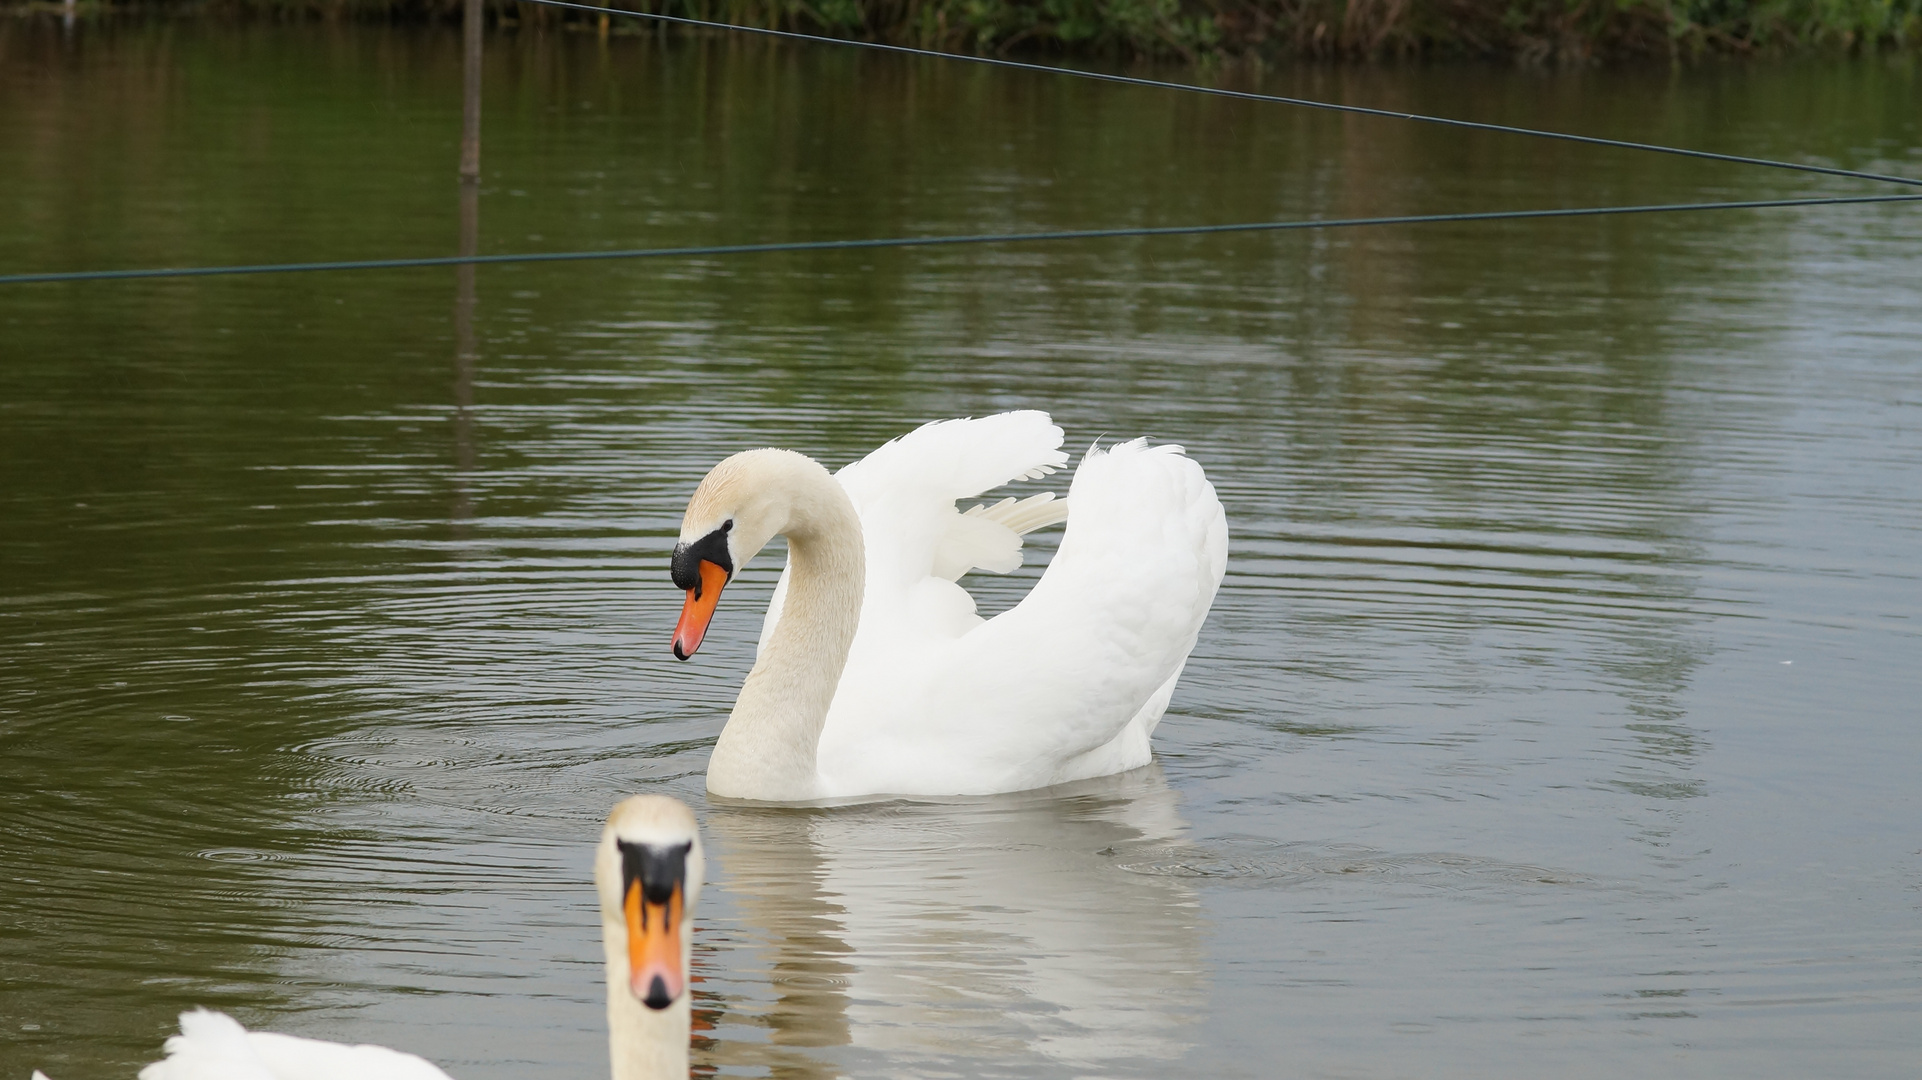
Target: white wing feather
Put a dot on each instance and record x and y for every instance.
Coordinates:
(989, 537)
(213, 1046)
(1067, 684)
(905, 492)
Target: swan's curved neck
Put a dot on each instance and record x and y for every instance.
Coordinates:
(767, 750)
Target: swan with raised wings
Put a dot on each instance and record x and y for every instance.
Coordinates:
(875, 675)
(648, 870)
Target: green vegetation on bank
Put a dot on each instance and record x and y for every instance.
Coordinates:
(1524, 31)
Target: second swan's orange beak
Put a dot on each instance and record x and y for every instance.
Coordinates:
(654, 909)
(654, 947)
(698, 611)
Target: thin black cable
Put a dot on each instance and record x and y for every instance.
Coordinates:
(1242, 95)
(939, 241)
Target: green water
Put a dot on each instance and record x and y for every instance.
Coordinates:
(1557, 716)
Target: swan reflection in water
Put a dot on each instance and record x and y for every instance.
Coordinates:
(924, 933)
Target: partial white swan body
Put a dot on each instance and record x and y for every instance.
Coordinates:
(213, 1045)
(875, 675)
(648, 870)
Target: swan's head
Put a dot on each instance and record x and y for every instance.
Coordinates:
(649, 870)
(744, 502)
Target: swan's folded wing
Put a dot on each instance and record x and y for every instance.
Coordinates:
(1016, 701)
(905, 492)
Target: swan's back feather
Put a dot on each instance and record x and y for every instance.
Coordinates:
(213, 1046)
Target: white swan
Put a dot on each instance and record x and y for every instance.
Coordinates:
(648, 870)
(875, 676)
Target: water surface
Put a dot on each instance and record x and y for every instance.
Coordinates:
(1556, 718)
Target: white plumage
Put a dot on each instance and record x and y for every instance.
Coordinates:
(213, 1046)
(1070, 682)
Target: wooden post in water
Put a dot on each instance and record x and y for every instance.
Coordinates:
(465, 346)
(466, 342)
(471, 18)
(467, 297)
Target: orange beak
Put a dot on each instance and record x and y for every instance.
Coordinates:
(654, 948)
(699, 609)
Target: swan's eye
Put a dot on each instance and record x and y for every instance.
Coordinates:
(684, 567)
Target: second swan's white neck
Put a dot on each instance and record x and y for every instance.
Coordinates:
(767, 750)
(644, 1044)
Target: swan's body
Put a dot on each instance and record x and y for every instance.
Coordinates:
(648, 869)
(213, 1046)
(875, 675)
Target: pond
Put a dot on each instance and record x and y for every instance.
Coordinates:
(1558, 716)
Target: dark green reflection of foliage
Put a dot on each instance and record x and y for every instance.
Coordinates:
(1530, 31)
